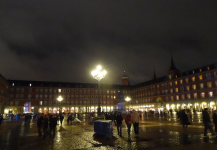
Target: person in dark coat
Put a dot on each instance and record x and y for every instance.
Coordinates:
(45, 126)
(39, 124)
(119, 120)
(184, 119)
(1, 119)
(214, 117)
(61, 118)
(52, 125)
(207, 122)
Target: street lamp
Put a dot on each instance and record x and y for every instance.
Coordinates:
(98, 74)
(59, 99)
(127, 99)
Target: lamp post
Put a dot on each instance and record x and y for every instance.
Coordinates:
(98, 74)
(59, 99)
(127, 99)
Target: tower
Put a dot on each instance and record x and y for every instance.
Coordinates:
(173, 71)
(125, 79)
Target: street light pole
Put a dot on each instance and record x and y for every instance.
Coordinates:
(59, 99)
(98, 74)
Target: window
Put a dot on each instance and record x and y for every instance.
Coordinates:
(202, 94)
(172, 98)
(210, 94)
(193, 71)
(29, 96)
(59, 90)
(171, 90)
(40, 102)
(200, 77)
(170, 77)
(200, 70)
(209, 84)
(176, 82)
(165, 85)
(188, 96)
(194, 86)
(181, 82)
(195, 95)
(183, 96)
(201, 85)
(208, 68)
(208, 76)
(187, 88)
(215, 83)
(41, 90)
(215, 73)
(177, 97)
(177, 89)
(186, 80)
(171, 83)
(193, 78)
(182, 88)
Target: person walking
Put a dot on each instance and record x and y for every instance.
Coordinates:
(207, 122)
(1, 119)
(119, 120)
(184, 119)
(135, 121)
(39, 124)
(128, 122)
(17, 117)
(52, 126)
(61, 119)
(214, 117)
(45, 126)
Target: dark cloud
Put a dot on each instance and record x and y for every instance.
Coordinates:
(65, 40)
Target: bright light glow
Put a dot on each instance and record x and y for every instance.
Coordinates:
(127, 99)
(98, 74)
(59, 98)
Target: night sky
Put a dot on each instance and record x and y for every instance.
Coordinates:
(65, 40)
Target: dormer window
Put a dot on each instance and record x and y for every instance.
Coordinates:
(193, 71)
(208, 68)
(200, 70)
(170, 77)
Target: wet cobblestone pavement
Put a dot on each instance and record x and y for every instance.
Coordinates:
(157, 133)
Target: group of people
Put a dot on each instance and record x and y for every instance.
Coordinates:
(48, 124)
(207, 122)
(130, 118)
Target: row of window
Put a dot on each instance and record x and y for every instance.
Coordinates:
(41, 103)
(40, 96)
(189, 96)
(67, 91)
(172, 90)
(181, 81)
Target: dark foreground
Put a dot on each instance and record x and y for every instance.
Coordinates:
(160, 133)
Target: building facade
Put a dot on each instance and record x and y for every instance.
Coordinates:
(193, 89)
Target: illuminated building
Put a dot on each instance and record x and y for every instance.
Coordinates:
(193, 89)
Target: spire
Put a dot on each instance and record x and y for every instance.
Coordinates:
(172, 66)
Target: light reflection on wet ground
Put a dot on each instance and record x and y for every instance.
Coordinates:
(155, 132)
